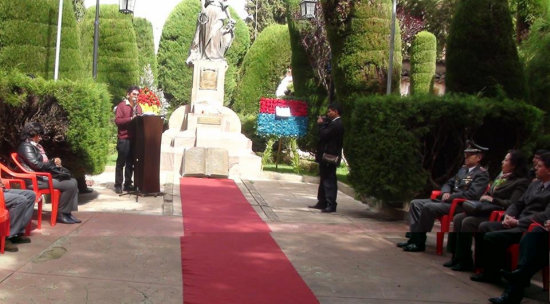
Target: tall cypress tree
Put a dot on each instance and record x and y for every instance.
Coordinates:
(146, 45)
(28, 36)
(481, 54)
(117, 64)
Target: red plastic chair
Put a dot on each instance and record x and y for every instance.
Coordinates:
(54, 193)
(4, 222)
(445, 220)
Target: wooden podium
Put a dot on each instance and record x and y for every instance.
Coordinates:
(147, 140)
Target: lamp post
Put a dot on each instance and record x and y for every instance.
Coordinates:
(58, 43)
(125, 7)
(307, 8)
(392, 46)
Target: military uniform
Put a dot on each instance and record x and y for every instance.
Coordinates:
(468, 184)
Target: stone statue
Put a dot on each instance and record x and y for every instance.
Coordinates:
(214, 33)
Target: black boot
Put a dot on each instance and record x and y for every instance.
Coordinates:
(512, 295)
(331, 207)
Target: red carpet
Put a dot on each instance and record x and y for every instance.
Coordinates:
(228, 254)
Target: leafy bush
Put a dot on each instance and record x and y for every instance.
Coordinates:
(481, 54)
(402, 147)
(146, 45)
(76, 115)
(262, 68)
(423, 54)
(28, 36)
(117, 64)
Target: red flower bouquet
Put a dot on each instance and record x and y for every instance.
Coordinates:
(148, 101)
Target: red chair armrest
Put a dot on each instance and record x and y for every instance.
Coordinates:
(435, 194)
(454, 204)
(496, 215)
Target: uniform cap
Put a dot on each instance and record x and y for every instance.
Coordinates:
(472, 147)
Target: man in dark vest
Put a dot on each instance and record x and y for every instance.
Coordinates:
(329, 156)
(470, 183)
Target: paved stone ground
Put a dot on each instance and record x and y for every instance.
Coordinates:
(129, 252)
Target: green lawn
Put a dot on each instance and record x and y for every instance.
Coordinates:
(341, 173)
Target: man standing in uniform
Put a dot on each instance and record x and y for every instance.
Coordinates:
(125, 112)
(470, 183)
(329, 156)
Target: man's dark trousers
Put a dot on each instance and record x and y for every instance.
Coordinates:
(328, 186)
(124, 160)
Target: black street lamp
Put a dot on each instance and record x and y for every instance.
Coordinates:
(125, 7)
(307, 8)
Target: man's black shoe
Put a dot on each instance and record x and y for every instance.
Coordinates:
(64, 219)
(486, 278)
(73, 218)
(329, 210)
(85, 190)
(414, 248)
(403, 244)
(118, 190)
(512, 295)
(318, 206)
(129, 188)
(463, 266)
(20, 239)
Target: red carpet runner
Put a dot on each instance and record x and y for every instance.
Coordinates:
(228, 254)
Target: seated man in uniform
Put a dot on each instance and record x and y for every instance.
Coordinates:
(470, 183)
(20, 205)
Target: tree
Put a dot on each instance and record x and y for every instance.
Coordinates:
(264, 13)
(28, 38)
(117, 64)
(482, 57)
(146, 45)
(358, 33)
(423, 54)
(262, 68)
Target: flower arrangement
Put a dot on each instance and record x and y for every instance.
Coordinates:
(148, 101)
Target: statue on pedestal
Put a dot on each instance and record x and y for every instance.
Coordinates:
(214, 33)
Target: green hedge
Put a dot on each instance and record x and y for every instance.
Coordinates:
(481, 54)
(399, 148)
(423, 54)
(117, 64)
(146, 45)
(262, 68)
(358, 36)
(77, 117)
(28, 36)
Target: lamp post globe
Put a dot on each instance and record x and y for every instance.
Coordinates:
(307, 8)
(127, 6)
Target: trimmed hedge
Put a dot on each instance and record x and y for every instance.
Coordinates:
(175, 77)
(423, 54)
(358, 36)
(262, 68)
(28, 36)
(399, 148)
(117, 64)
(146, 46)
(76, 115)
(481, 54)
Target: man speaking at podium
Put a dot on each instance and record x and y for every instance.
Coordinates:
(125, 112)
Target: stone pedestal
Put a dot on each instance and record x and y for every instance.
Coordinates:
(204, 137)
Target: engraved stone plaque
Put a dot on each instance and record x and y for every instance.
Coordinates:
(209, 79)
(217, 162)
(209, 120)
(193, 162)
